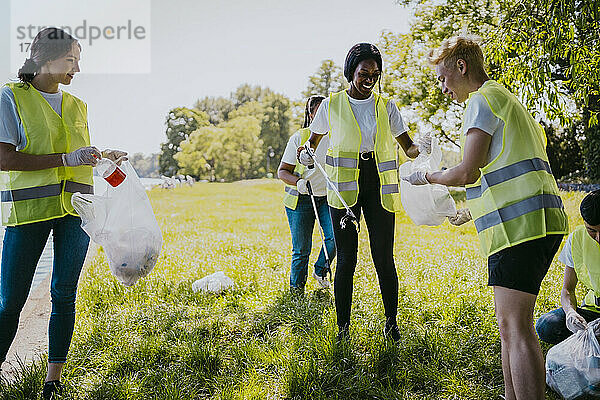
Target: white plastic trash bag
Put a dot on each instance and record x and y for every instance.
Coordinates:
(123, 223)
(426, 204)
(213, 283)
(573, 365)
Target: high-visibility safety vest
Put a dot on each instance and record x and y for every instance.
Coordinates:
(290, 198)
(344, 151)
(516, 197)
(33, 196)
(586, 257)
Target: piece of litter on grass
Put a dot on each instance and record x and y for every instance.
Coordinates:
(213, 283)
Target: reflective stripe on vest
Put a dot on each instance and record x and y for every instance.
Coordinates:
(39, 192)
(74, 187)
(387, 166)
(342, 161)
(290, 197)
(345, 186)
(389, 188)
(516, 198)
(291, 191)
(586, 259)
(32, 196)
(509, 172)
(345, 162)
(515, 210)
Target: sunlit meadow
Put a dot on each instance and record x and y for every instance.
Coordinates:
(160, 340)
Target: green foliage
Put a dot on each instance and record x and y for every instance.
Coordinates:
(230, 151)
(272, 110)
(329, 78)
(409, 79)
(550, 48)
(547, 52)
(592, 153)
(181, 122)
(217, 108)
(563, 150)
(160, 340)
(145, 166)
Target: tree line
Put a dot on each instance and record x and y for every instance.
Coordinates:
(548, 52)
(242, 136)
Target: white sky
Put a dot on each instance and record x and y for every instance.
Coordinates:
(208, 48)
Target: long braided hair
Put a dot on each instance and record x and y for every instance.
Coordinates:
(358, 53)
(311, 105)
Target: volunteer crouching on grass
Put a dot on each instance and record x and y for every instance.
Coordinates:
(45, 156)
(299, 208)
(513, 199)
(363, 128)
(581, 255)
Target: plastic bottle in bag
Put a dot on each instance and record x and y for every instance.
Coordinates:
(111, 173)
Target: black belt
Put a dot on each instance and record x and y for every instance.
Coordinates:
(367, 155)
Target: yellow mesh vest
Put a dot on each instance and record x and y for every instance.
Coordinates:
(586, 257)
(290, 198)
(516, 198)
(344, 147)
(33, 196)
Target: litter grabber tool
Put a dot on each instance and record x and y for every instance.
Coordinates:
(349, 214)
(321, 232)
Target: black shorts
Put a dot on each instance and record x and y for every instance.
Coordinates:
(523, 267)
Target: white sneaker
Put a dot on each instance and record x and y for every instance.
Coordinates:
(322, 280)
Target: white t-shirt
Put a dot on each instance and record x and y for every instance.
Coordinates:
(566, 255)
(11, 128)
(478, 114)
(364, 112)
(317, 181)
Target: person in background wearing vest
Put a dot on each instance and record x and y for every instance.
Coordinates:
(45, 157)
(364, 128)
(298, 205)
(513, 199)
(581, 255)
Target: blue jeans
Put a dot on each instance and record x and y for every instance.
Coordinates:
(22, 248)
(302, 222)
(551, 327)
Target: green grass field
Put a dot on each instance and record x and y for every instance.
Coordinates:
(159, 340)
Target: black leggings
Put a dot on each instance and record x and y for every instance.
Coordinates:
(380, 224)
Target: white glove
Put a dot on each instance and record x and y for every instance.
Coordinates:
(417, 178)
(462, 215)
(424, 144)
(575, 322)
(83, 156)
(117, 156)
(301, 186)
(305, 159)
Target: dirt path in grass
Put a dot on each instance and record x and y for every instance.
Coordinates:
(32, 334)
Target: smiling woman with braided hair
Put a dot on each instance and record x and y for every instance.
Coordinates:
(363, 128)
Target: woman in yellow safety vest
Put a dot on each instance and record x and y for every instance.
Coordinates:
(45, 157)
(581, 256)
(364, 128)
(513, 199)
(299, 207)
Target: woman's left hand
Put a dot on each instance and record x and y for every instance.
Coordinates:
(115, 155)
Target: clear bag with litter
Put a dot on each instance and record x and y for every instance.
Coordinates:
(426, 204)
(123, 223)
(573, 365)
